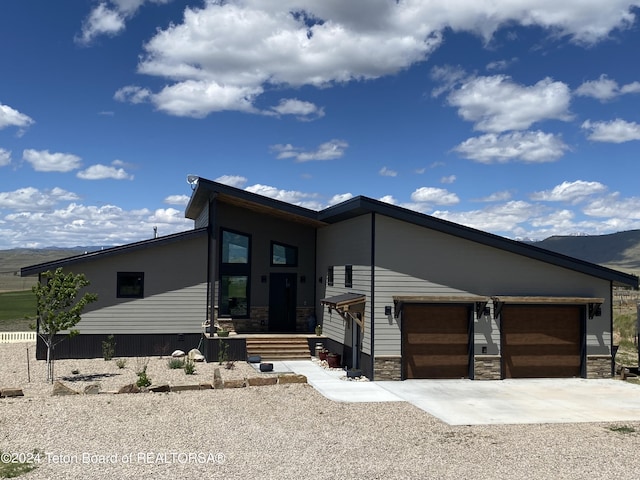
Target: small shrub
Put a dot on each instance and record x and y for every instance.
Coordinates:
(121, 363)
(175, 363)
(12, 469)
(622, 429)
(189, 367)
(223, 352)
(143, 379)
(108, 348)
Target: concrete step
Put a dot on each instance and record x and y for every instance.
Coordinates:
(279, 348)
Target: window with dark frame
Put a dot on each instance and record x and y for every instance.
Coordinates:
(235, 278)
(130, 285)
(348, 276)
(330, 276)
(283, 255)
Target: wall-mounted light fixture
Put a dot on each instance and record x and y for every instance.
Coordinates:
(387, 310)
(320, 280)
(303, 279)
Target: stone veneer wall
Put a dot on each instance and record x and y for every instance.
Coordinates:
(387, 368)
(487, 367)
(259, 321)
(598, 366)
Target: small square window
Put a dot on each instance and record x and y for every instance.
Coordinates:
(283, 255)
(130, 285)
(330, 276)
(348, 276)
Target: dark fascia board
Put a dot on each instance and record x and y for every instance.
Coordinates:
(130, 247)
(362, 205)
(207, 188)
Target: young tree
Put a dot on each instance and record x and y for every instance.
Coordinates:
(59, 308)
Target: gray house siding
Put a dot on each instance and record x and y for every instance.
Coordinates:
(203, 218)
(341, 244)
(174, 291)
(411, 260)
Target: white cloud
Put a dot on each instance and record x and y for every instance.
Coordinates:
(572, 192)
(497, 104)
(31, 198)
(496, 197)
(331, 150)
(507, 217)
(499, 65)
(226, 54)
(614, 131)
(182, 200)
(132, 94)
(5, 157)
(303, 110)
(339, 198)
(613, 206)
(605, 88)
(449, 179)
(102, 172)
(232, 180)
(420, 171)
(10, 117)
(44, 161)
(387, 172)
(307, 200)
(527, 147)
(434, 196)
(389, 199)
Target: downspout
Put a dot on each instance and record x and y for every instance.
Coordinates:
(613, 363)
(373, 286)
(211, 258)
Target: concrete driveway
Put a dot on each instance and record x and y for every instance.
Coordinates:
(469, 402)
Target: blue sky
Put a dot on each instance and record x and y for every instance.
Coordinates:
(517, 118)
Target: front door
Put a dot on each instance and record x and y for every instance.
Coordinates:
(282, 302)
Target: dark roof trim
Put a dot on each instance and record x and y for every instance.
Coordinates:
(344, 300)
(362, 205)
(206, 188)
(144, 244)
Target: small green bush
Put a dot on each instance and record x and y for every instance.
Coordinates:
(175, 363)
(121, 363)
(189, 367)
(143, 379)
(108, 348)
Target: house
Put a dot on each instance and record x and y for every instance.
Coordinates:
(399, 294)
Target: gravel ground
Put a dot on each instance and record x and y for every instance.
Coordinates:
(279, 432)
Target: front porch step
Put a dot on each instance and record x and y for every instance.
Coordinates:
(279, 347)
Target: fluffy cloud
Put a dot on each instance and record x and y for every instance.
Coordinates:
(302, 110)
(132, 94)
(527, 147)
(330, 150)
(389, 199)
(570, 192)
(605, 88)
(177, 200)
(449, 179)
(223, 55)
(44, 161)
(434, 196)
(496, 197)
(615, 131)
(387, 172)
(32, 199)
(307, 200)
(339, 198)
(497, 104)
(613, 206)
(5, 157)
(102, 172)
(232, 180)
(10, 117)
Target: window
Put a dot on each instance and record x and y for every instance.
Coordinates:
(283, 255)
(330, 276)
(348, 276)
(235, 269)
(130, 285)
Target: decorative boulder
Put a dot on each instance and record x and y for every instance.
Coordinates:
(178, 354)
(266, 367)
(92, 389)
(11, 392)
(254, 359)
(217, 379)
(130, 388)
(60, 388)
(196, 355)
(162, 387)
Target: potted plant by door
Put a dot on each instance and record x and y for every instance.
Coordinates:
(333, 359)
(322, 354)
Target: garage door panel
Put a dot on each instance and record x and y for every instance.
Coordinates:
(541, 341)
(435, 341)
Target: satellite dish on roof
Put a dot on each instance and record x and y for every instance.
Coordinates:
(193, 181)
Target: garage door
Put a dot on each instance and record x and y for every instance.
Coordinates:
(435, 341)
(541, 341)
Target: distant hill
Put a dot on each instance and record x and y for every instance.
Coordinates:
(620, 251)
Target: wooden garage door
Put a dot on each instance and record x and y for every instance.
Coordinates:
(541, 341)
(435, 341)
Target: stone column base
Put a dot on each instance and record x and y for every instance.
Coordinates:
(598, 366)
(387, 368)
(487, 367)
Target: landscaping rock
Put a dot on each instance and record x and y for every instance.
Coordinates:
(178, 354)
(266, 367)
(235, 383)
(254, 359)
(196, 355)
(184, 388)
(60, 388)
(163, 387)
(291, 378)
(261, 381)
(205, 386)
(217, 379)
(92, 389)
(11, 392)
(130, 388)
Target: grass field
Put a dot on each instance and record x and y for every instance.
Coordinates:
(14, 307)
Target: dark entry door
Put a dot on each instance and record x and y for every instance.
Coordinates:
(282, 302)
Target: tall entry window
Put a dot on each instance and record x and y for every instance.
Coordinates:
(235, 268)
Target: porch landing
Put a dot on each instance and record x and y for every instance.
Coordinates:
(276, 346)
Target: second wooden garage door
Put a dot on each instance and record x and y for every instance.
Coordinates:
(435, 341)
(541, 341)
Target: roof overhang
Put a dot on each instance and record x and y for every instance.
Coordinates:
(594, 304)
(479, 301)
(350, 306)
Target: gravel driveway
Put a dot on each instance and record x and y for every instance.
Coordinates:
(281, 432)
